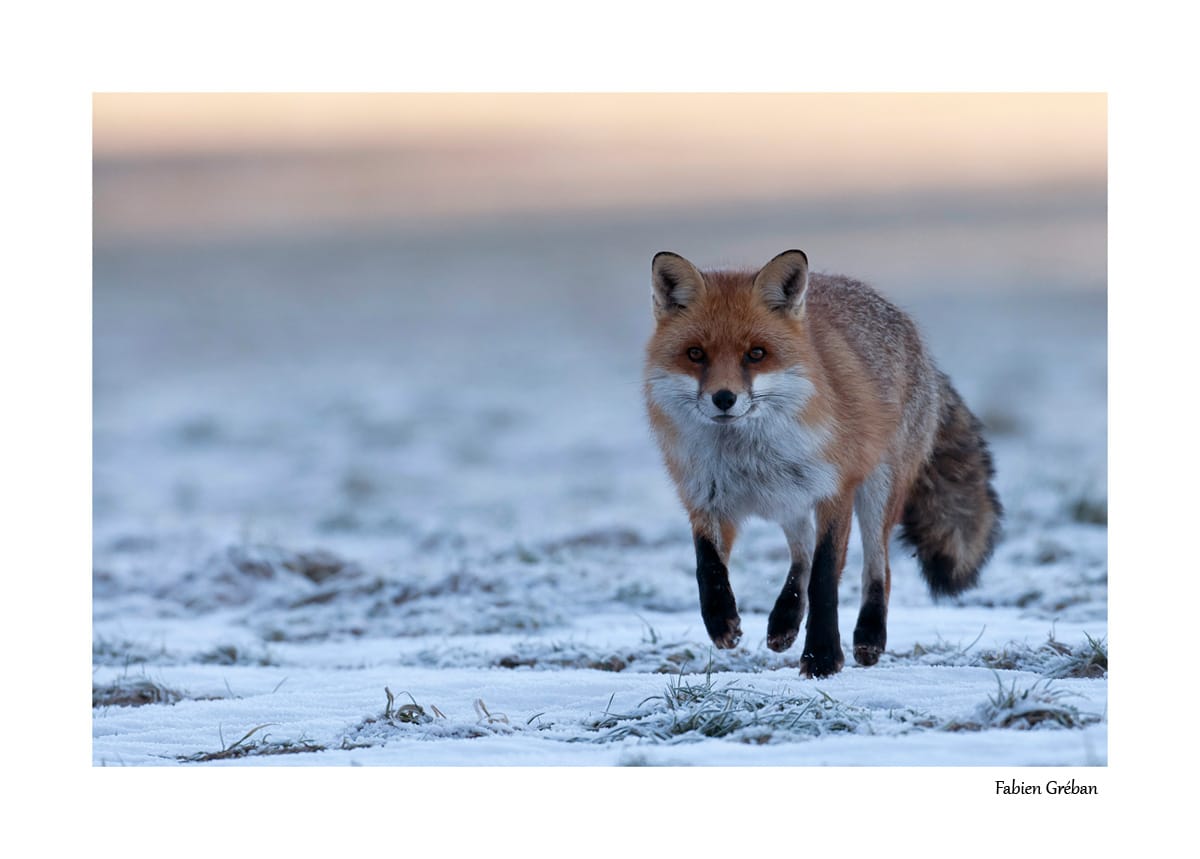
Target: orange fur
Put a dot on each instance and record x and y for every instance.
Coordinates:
(729, 318)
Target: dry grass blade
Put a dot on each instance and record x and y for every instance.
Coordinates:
(484, 716)
(412, 713)
(246, 747)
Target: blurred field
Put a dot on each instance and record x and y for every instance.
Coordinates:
(536, 320)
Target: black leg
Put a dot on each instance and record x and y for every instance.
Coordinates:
(822, 644)
(870, 633)
(784, 623)
(717, 605)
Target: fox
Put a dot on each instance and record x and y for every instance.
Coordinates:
(805, 401)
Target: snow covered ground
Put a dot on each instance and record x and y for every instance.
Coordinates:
(335, 468)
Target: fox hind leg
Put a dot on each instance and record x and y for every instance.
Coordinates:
(784, 623)
(874, 503)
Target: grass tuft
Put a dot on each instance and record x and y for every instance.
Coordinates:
(133, 693)
(1039, 705)
(1085, 661)
(433, 723)
(688, 711)
(1052, 659)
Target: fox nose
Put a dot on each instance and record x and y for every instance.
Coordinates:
(724, 400)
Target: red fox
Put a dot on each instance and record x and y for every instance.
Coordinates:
(805, 401)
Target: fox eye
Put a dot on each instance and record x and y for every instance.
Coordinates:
(756, 354)
(696, 354)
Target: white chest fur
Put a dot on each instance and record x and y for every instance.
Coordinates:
(766, 464)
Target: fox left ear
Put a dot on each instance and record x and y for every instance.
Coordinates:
(783, 282)
(676, 283)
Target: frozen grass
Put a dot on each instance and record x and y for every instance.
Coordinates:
(1039, 705)
(657, 657)
(249, 745)
(133, 693)
(691, 711)
(1054, 659)
(423, 722)
(1051, 659)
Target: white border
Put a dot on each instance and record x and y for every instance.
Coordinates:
(63, 57)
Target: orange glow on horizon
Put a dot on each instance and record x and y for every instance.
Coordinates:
(453, 154)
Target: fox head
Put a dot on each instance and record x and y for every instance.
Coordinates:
(729, 347)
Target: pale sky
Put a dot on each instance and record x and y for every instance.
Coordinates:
(450, 154)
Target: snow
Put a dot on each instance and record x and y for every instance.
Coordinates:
(328, 465)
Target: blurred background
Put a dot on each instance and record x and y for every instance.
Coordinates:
(410, 327)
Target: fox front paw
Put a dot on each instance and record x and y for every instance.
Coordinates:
(822, 659)
(725, 634)
(721, 619)
(781, 640)
(783, 626)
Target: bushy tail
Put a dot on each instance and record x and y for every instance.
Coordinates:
(952, 517)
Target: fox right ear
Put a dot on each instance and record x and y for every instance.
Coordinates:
(783, 282)
(676, 283)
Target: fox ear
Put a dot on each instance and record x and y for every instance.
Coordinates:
(676, 283)
(783, 282)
